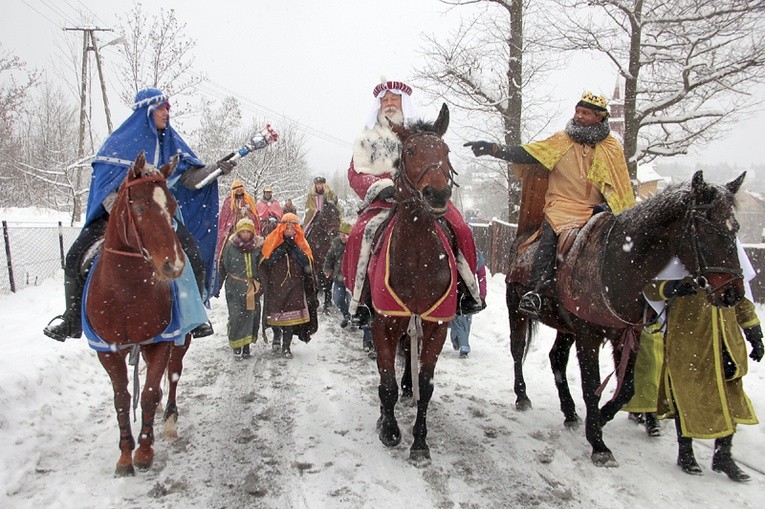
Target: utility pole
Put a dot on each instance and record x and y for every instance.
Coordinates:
(88, 44)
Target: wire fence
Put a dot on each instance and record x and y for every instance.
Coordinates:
(33, 252)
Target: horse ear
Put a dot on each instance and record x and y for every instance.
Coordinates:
(442, 122)
(697, 182)
(400, 130)
(137, 168)
(168, 168)
(734, 185)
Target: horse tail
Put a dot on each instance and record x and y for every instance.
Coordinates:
(532, 327)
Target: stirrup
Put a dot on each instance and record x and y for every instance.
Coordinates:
(531, 303)
(62, 331)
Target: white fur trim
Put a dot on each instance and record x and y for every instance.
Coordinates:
(375, 189)
(376, 150)
(364, 255)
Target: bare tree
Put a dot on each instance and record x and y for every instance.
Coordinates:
(49, 166)
(487, 68)
(16, 86)
(689, 67)
(281, 165)
(157, 53)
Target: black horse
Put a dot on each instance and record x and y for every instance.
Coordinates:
(615, 259)
(319, 234)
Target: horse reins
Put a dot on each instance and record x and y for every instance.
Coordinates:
(701, 266)
(410, 186)
(130, 222)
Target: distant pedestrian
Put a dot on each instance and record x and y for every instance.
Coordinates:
(460, 326)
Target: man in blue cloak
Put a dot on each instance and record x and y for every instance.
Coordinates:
(148, 129)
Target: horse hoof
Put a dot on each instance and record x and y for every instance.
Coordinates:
(523, 405)
(144, 467)
(420, 457)
(390, 439)
(124, 471)
(604, 459)
(572, 423)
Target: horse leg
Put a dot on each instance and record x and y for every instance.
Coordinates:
(434, 336)
(520, 335)
(174, 370)
(389, 432)
(156, 356)
(587, 348)
(405, 351)
(627, 390)
(559, 355)
(114, 364)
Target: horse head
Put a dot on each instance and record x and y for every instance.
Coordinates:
(425, 176)
(143, 215)
(708, 247)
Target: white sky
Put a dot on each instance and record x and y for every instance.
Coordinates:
(312, 62)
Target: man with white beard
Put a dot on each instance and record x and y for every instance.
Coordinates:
(376, 153)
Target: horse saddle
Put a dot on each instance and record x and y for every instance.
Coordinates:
(578, 281)
(384, 298)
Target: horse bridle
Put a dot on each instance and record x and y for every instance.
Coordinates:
(447, 169)
(130, 222)
(701, 266)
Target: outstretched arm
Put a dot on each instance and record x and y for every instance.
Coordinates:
(511, 153)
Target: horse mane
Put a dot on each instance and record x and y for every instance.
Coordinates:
(421, 126)
(674, 201)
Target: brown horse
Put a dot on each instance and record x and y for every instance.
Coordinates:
(418, 270)
(615, 259)
(319, 234)
(129, 298)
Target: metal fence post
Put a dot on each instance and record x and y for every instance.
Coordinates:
(6, 237)
(61, 244)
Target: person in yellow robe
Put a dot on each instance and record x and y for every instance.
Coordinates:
(587, 172)
(705, 359)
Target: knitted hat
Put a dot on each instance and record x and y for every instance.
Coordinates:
(598, 104)
(319, 180)
(345, 228)
(289, 217)
(245, 224)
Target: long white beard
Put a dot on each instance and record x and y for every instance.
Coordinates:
(395, 116)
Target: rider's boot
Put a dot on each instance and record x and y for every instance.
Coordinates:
(70, 324)
(544, 261)
(363, 315)
(466, 303)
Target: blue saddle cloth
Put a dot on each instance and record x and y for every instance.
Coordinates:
(187, 313)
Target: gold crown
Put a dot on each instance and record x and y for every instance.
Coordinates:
(599, 101)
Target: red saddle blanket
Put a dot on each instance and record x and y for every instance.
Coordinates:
(384, 298)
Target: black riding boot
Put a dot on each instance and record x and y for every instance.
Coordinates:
(544, 260)
(74, 281)
(70, 325)
(722, 460)
(466, 303)
(363, 315)
(685, 458)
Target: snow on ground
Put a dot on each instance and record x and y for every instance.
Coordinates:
(300, 433)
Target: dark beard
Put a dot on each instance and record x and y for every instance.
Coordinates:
(588, 134)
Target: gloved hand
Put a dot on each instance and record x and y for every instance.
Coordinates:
(483, 303)
(290, 243)
(226, 166)
(387, 193)
(600, 207)
(680, 288)
(482, 148)
(754, 336)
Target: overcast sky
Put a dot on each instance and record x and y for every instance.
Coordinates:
(311, 62)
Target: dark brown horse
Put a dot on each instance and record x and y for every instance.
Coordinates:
(616, 258)
(319, 234)
(418, 270)
(129, 299)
